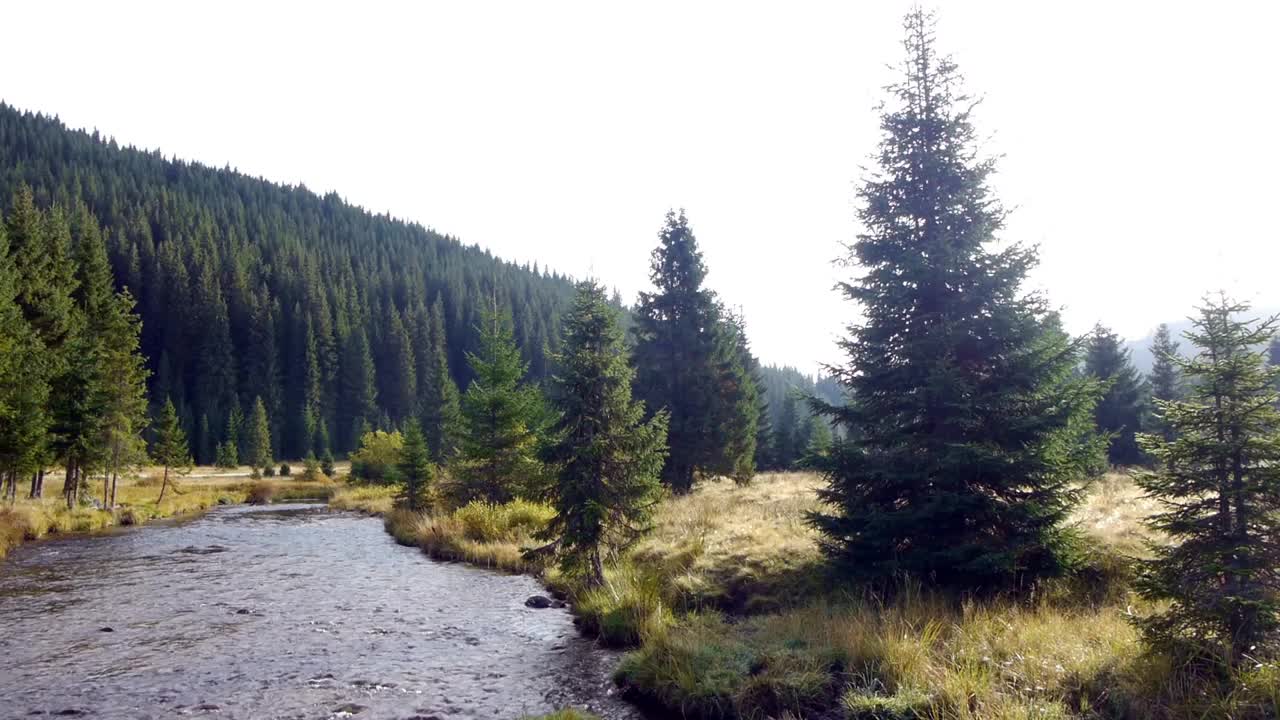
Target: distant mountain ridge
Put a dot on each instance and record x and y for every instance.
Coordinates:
(1140, 349)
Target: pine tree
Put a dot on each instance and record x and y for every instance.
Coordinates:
(739, 401)
(817, 442)
(235, 438)
(398, 377)
(1218, 482)
(358, 407)
(679, 356)
(965, 424)
(787, 433)
(607, 456)
(1165, 380)
(23, 393)
(124, 401)
(1121, 412)
(416, 471)
(502, 419)
(170, 450)
(438, 401)
(258, 445)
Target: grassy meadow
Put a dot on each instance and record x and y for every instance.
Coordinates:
(137, 500)
(730, 614)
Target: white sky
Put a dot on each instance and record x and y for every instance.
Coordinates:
(1140, 139)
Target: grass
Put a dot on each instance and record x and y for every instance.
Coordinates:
(480, 533)
(372, 499)
(136, 500)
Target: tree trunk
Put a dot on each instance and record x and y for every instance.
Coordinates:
(37, 485)
(69, 489)
(597, 568)
(163, 484)
(106, 486)
(115, 477)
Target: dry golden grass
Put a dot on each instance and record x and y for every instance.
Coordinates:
(137, 502)
(741, 548)
(479, 533)
(372, 499)
(1113, 512)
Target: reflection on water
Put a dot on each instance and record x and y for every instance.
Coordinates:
(288, 611)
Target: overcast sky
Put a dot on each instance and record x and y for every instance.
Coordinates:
(1140, 140)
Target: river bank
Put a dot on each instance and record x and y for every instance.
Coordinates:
(729, 613)
(138, 501)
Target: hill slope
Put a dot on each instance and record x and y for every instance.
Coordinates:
(250, 288)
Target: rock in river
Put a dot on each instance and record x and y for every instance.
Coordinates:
(538, 601)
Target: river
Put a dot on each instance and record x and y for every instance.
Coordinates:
(285, 611)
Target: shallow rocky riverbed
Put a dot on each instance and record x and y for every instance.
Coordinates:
(287, 611)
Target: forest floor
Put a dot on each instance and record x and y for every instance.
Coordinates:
(137, 500)
(730, 612)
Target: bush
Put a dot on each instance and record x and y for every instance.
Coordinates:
(376, 459)
(285, 470)
(311, 471)
(269, 471)
(326, 463)
(261, 493)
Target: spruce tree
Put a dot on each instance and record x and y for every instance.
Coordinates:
(1121, 411)
(739, 402)
(170, 449)
(608, 458)
(1165, 380)
(787, 433)
(966, 425)
(438, 401)
(23, 393)
(1218, 482)
(258, 445)
(503, 418)
(399, 383)
(679, 356)
(358, 406)
(124, 401)
(416, 470)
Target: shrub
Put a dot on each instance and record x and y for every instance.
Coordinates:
(376, 459)
(285, 470)
(269, 471)
(326, 463)
(311, 471)
(261, 493)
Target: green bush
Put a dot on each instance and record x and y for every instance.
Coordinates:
(376, 459)
(285, 470)
(269, 471)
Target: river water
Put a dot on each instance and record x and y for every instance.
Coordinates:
(285, 611)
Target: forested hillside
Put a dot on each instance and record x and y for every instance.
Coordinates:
(251, 289)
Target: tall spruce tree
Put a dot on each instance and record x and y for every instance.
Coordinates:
(124, 396)
(1218, 482)
(258, 437)
(738, 409)
(680, 356)
(170, 451)
(503, 419)
(608, 458)
(23, 393)
(1165, 380)
(398, 376)
(1121, 412)
(438, 400)
(966, 426)
(358, 408)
